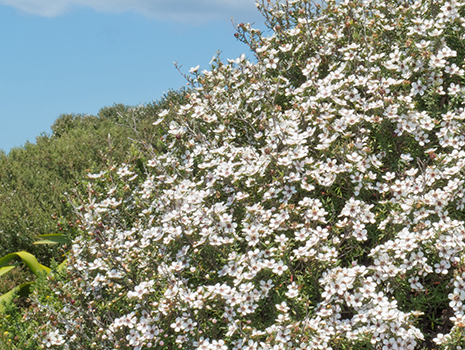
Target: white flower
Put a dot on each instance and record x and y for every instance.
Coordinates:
(293, 290)
(418, 88)
(53, 338)
(279, 267)
(194, 69)
(438, 60)
(453, 89)
(96, 176)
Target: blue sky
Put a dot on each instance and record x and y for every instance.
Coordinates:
(77, 56)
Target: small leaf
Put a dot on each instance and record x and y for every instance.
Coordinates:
(6, 269)
(7, 298)
(28, 259)
(53, 238)
(62, 266)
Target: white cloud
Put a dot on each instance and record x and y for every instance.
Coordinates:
(192, 11)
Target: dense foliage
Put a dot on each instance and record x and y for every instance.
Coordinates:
(311, 199)
(37, 180)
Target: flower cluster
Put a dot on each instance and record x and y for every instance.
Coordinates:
(308, 200)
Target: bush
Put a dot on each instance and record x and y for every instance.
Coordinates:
(310, 200)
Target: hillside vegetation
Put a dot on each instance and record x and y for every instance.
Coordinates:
(38, 180)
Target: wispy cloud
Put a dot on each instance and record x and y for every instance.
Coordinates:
(192, 11)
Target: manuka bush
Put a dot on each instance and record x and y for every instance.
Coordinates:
(309, 199)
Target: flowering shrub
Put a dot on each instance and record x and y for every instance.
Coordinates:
(310, 200)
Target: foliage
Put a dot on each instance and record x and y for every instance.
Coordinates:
(312, 199)
(19, 330)
(23, 289)
(37, 180)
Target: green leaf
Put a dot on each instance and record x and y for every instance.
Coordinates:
(6, 269)
(62, 266)
(28, 259)
(7, 298)
(53, 238)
